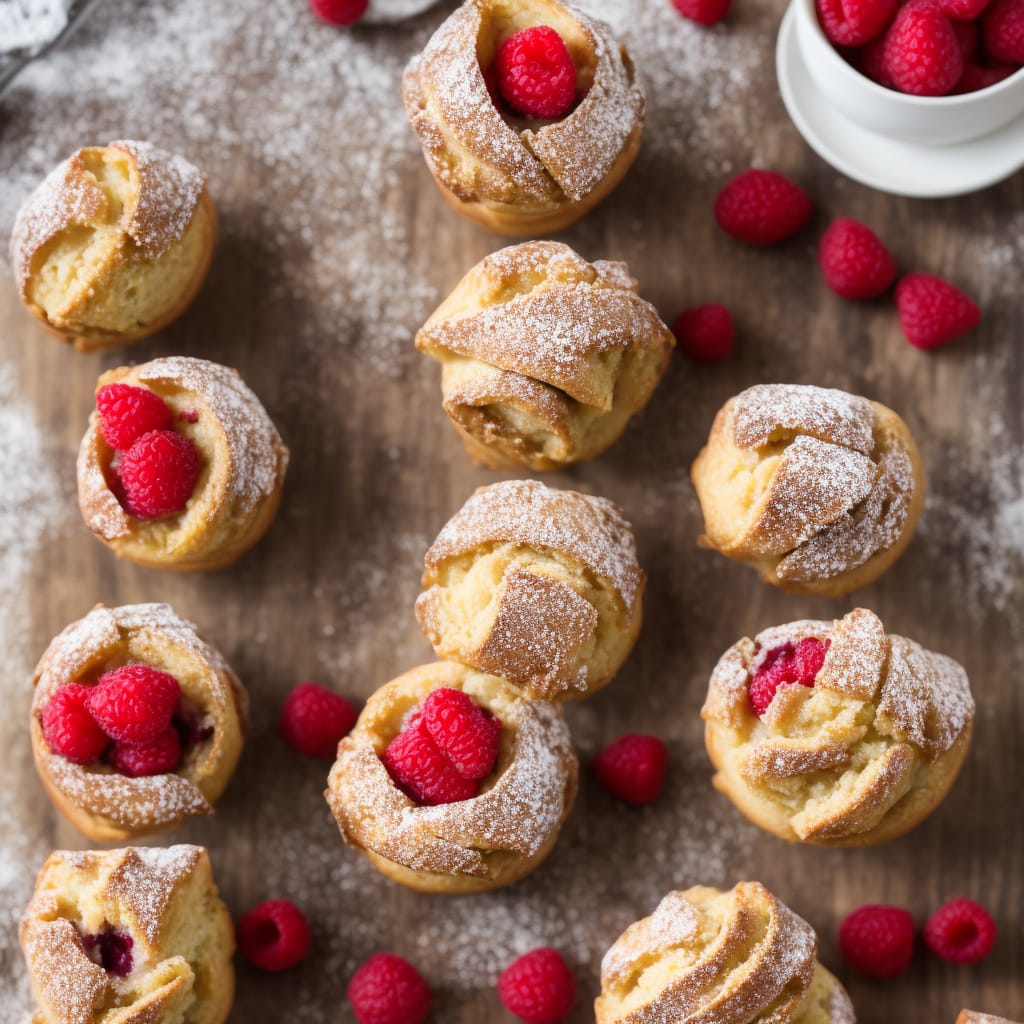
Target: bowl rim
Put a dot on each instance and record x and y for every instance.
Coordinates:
(808, 10)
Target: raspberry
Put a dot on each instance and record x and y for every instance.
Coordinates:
(979, 76)
(422, 772)
(159, 474)
(962, 10)
(855, 263)
(960, 932)
(314, 720)
(1002, 26)
(704, 12)
(274, 935)
(127, 412)
(112, 950)
(855, 22)
(465, 733)
(968, 38)
(705, 333)
(538, 987)
(135, 703)
(633, 767)
(922, 52)
(933, 312)
(878, 941)
(389, 990)
(191, 729)
(339, 12)
(69, 728)
(870, 60)
(152, 757)
(788, 665)
(536, 75)
(762, 207)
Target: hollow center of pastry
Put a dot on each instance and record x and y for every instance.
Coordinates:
(112, 950)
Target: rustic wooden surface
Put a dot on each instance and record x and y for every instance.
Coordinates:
(376, 470)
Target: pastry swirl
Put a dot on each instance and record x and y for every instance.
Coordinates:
(818, 489)
(860, 757)
(491, 840)
(736, 957)
(545, 357)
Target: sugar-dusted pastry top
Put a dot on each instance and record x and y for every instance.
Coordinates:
(973, 1017)
(833, 760)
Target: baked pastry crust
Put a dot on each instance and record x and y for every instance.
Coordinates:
(101, 803)
(239, 488)
(523, 178)
(973, 1017)
(166, 902)
(736, 957)
(544, 356)
(536, 585)
(114, 244)
(492, 840)
(863, 756)
(818, 489)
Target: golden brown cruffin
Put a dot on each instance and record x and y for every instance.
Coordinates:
(860, 757)
(535, 585)
(736, 957)
(518, 176)
(238, 492)
(544, 356)
(114, 244)
(132, 936)
(973, 1017)
(494, 839)
(101, 803)
(819, 490)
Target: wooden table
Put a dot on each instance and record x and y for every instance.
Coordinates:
(335, 247)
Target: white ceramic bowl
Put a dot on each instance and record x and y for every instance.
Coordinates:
(923, 120)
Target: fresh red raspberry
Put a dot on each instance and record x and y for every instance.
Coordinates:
(633, 767)
(536, 75)
(69, 728)
(788, 665)
(870, 60)
(980, 76)
(538, 987)
(274, 935)
(159, 474)
(962, 10)
(855, 22)
(968, 36)
(878, 941)
(704, 12)
(135, 703)
(922, 52)
(112, 950)
(932, 311)
(127, 412)
(464, 732)
(314, 720)
(960, 932)
(855, 263)
(388, 990)
(339, 12)
(762, 207)
(422, 772)
(1002, 26)
(153, 757)
(705, 333)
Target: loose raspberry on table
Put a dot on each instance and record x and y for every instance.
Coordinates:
(960, 932)
(705, 333)
(855, 263)
(704, 12)
(314, 720)
(463, 731)
(135, 703)
(980, 76)
(112, 950)
(159, 474)
(788, 665)
(422, 772)
(932, 311)
(878, 941)
(388, 990)
(536, 75)
(339, 12)
(762, 207)
(1002, 26)
(538, 987)
(127, 412)
(922, 52)
(152, 757)
(855, 22)
(274, 935)
(69, 728)
(633, 767)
